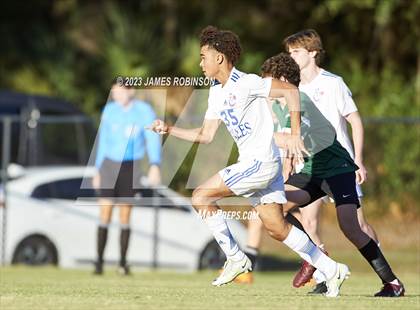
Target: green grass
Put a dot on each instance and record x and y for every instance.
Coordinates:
(51, 288)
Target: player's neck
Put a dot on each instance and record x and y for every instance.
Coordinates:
(126, 105)
(309, 73)
(224, 73)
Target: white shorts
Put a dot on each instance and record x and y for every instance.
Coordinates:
(260, 181)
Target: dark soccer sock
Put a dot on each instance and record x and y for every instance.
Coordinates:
(252, 254)
(295, 222)
(101, 242)
(372, 253)
(124, 238)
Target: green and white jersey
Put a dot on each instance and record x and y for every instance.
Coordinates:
(334, 100)
(328, 157)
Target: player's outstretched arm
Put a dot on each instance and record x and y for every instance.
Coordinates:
(291, 93)
(204, 134)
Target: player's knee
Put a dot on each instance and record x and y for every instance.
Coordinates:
(105, 221)
(105, 218)
(310, 225)
(276, 232)
(362, 222)
(364, 226)
(273, 234)
(199, 199)
(125, 219)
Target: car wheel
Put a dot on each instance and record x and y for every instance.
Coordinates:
(36, 251)
(212, 256)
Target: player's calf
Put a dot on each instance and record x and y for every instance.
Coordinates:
(370, 251)
(349, 224)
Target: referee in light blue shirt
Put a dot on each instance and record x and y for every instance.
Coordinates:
(123, 142)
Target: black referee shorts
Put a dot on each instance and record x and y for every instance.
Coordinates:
(340, 187)
(119, 179)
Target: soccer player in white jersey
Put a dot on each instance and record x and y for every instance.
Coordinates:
(333, 98)
(239, 100)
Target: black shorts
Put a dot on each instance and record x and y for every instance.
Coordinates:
(119, 179)
(340, 187)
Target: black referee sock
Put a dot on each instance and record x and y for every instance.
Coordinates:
(252, 254)
(124, 239)
(101, 242)
(295, 222)
(373, 254)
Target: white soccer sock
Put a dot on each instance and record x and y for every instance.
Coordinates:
(251, 250)
(319, 276)
(224, 238)
(299, 242)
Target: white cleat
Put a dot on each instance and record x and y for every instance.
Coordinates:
(232, 269)
(334, 284)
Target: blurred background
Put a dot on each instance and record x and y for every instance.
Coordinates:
(72, 50)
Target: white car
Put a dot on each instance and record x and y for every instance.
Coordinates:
(50, 220)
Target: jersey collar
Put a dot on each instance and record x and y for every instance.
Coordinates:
(234, 76)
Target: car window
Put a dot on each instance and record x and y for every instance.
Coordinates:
(43, 191)
(69, 189)
(65, 143)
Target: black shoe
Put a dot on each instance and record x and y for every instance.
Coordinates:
(320, 288)
(391, 290)
(124, 270)
(98, 269)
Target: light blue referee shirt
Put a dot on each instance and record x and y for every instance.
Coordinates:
(122, 136)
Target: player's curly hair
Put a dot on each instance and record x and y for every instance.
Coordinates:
(223, 41)
(282, 65)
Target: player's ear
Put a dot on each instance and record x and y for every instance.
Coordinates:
(312, 54)
(220, 58)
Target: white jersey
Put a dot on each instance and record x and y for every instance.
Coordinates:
(241, 104)
(333, 98)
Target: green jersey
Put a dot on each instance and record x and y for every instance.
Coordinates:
(327, 156)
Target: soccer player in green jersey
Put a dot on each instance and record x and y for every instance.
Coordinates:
(329, 170)
(334, 99)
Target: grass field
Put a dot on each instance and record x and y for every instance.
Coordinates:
(51, 288)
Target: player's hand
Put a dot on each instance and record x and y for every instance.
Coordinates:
(159, 127)
(296, 148)
(96, 181)
(361, 174)
(287, 163)
(296, 161)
